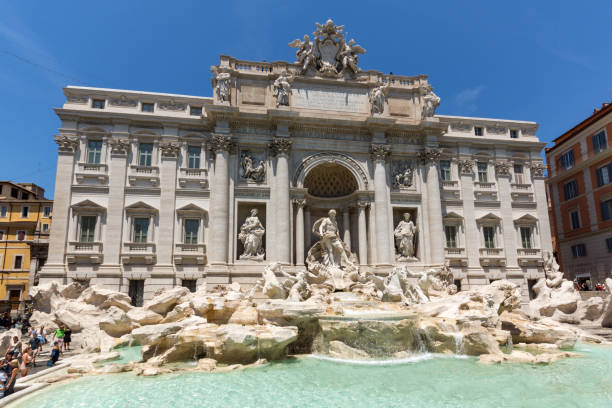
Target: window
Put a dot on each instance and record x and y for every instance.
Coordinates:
(147, 107)
(46, 212)
(445, 172)
(1, 236)
(136, 292)
(567, 160)
(141, 229)
(599, 142)
(98, 104)
(570, 189)
(25, 211)
(526, 237)
(478, 131)
(45, 227)
(14, 193)
(21, 235)
(575, 219)
(94, 150)
(193, 153)
(489, 236)
(189, 284)
(513, 134)
(4, 211)
(195, 111)
(88, 228)
(25, 196)
(483, 176)
(609, 244)
(578, 250)
(18, 262)
(191, 231)
(518, 174)
(145, 154)
(451, 236)
(606, 210)
(603, 175)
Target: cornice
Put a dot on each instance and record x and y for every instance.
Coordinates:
(110, 117)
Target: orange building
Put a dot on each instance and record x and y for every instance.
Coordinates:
(25, 223)
(580, 196)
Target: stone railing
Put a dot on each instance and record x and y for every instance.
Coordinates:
(199, 176)
(89, 247)
(481, 185)
(97, 171)
(492, 252)
(528, 252)
(143, 247)
(92, 167)
(145, 170)
(253, 67)
(520, 187)
(84, 252)
(193, 252)
(144, 173)
(454, 252)
(450, 184)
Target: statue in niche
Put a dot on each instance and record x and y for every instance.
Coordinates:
(349, 56)
(223, 86)
(305, 52)
(430, 102)
(333, 247)
(282, 89)
(405, 233)
(377, 98)
(250, 171)
(251, 235)
(403, 178)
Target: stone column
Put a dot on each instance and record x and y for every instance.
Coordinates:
(299, 232)
(381, 202)
(308, 231)
(219, 206)
(502, 171)
(169, 156)
(280, 148)
(430, 158)
(346, 222)
(472, 240)
(55, 267)
(539, 188)
(363, 237)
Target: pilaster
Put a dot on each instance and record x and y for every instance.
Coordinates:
(380, 152)
(430, 158)
(280, 148)
(502, 173)
(168, 168)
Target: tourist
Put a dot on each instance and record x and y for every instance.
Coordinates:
(67, 338)
(59, 336)
(16, 348)
(13, 371)
(41, 338)
(55, 353)
(34, 344)
(5, 371)
(26, 359)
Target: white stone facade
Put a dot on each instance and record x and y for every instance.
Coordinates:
(151, 186)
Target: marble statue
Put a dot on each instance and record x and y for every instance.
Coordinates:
(377, 98)
(281, 89)
(554, 277)
(405, 233)
(327, 229)
(403, 178)
(250, 171)
(430, 102)
(223, 86)
(305, 53)
(269, 284)
(350, 56)
(429, 282)
(251, 236)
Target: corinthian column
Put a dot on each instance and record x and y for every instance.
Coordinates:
(280, 148)
(299, 232)
(346, 223)
(430, 158)
(363, 237)
(169, 157)
(219, 206)
(381, 203)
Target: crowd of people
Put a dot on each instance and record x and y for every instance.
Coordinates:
(588, 286)
(20, 358)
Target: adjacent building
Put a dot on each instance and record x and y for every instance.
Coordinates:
(155, 190)
(580, 191)
(25, 225)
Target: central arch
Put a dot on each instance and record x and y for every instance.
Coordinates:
(330, 180)
(342, 164)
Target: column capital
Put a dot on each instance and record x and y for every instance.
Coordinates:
(220, 143)
(119, 147)
(170, 149)
(280, 146)
(300, 202)
(67, 144)
(380, 152)
(502, 168)
(537, 169)
(466, 166)
(430, 156)
(362, 205)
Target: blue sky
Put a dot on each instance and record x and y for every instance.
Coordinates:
(546, 61)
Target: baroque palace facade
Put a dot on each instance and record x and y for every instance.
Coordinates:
(156, 190)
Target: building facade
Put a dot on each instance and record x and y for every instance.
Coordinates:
(25, 225)
(155, 190)
(580, 192)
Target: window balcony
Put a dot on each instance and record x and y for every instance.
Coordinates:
(138, 252)
(190, 253)
(450, 189)
(198, 177)
(456, 255)
(485, 191)
(146, 174)
(529, 256)
(91, 171)
(90, 252)
(521, 193)
(492, 256)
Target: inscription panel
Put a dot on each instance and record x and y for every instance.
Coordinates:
(330, 98)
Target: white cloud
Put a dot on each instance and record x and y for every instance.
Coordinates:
(467, 99)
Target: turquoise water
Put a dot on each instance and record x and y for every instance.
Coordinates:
(126, 355)
(309, 382)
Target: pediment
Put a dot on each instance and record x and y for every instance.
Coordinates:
(453, 216)
(191, 209)
(87, 205)
(489, 217)
(526, 219)
(140, 206)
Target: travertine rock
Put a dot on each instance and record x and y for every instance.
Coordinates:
(607, 314)
(116, 323)
(143, 316)
(207, 364)
(165, 301)
(524, 330)
(564, 298)
(338, 349)
(153, 334)
(180, 312)
(245, 314)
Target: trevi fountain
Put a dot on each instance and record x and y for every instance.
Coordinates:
(336, 332)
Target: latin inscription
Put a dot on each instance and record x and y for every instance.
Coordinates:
(331, 98)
